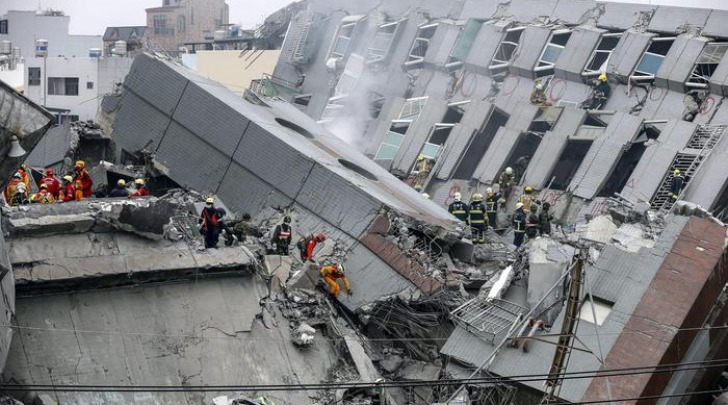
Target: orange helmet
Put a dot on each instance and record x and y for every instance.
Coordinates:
(321, 237)
(80, 163)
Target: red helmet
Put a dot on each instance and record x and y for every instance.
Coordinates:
(49, 172)
(321, 237)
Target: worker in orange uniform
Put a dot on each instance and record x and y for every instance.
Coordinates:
(12, 186)
(141, 189)
(83, 175)
(51, 181)
(331, 275)
(68, 190)
(26, 177)
(306, 246)
(43, 196)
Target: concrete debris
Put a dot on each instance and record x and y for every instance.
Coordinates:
(631, 238)
(497, 285)
(304, 335)
(598, 230)
(44, 399)
(391, 363)
(6, 400)
(547, 261)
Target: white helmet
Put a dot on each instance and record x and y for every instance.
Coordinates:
(509, 171)
(539, 86)
(458, 197)
(489, 190)
(427, 196)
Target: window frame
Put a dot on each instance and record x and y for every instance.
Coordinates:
(32, 80)
(455, 63)
(698, 81)
(544, 67)
(504, 64)
(586, 72)
(4, 27)
(375, 55)
(346, 23)
(62, 86)
(414, 60)
(648, 76)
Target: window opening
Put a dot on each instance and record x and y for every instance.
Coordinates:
(33, 76)
(545, 119)
(376, 102)
(421, 44)
(628, 161)
(551, 52)
(521, 154)
(63, 86)
(344, 37)
(381, 45)
(601, 309)
(479, 145)
(506, 51)
(706, 64)
(597, 63)
(593, 120)
(652, 58)
(160, 26)
(392, 142)
(571, 158)
(3, 26)
(462, 46)
(412, 108)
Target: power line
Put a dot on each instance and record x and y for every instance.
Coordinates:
(684, 394)
(348, 385)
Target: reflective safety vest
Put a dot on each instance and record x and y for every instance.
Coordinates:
(477, 214)
(284, 233)
(519, 219)
(491, 203)
(459, 209)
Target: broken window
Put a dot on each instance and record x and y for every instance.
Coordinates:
(63, 86)
(522, 153)
(352, 71)
(344, 36)
(419, 47)
(412, 108)
(597, 63)
(33, 76)
(506, 51)
(381, 45)
(706, 64)
(551, 52)
(571, 157)
(652, 58)
(626, 164)
(479, 145)
(600, 309)
(392, 142)
(595, 121)
(462, 46)
(376, 102)
(545, 119)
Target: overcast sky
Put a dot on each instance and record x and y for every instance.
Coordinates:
(93, 16)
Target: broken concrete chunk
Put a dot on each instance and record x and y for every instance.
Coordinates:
(303, 335)
(391, 363)
(599, 229)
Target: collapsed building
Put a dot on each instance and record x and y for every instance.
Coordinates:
(116, 294)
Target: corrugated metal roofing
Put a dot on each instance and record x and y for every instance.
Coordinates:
(553, 142)
(617, 276)
(52, 148)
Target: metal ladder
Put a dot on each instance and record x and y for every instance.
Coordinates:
(689, 162)
(300, 30)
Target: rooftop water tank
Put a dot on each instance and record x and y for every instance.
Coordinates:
(220, 35)
(16, 52)
(119, 48)
(6, 47)
(41, 48)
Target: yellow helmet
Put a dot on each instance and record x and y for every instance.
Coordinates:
(420, 158)
(676, 172)
(603, 77)
(477, 197)
(67, 178)
(528, 189)
(121, 182)
(519, 205)
(139, 182)
(210, 201)
(80, 163)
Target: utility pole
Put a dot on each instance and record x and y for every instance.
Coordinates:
(568, 328)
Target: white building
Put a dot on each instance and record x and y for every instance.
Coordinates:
(74, 85)
(22, 28)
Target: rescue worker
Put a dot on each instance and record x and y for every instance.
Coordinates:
(506, 181)
(600, 93)
(422, 171)
(21, 196)
(519, 225)
(209, 219)
(458, 208)
(282, 237)
(12, 188)
(23, 170)
(50, 180)
(478, 220)
(544, 219)
(307, 244)
(83, 175)
(141, 189)
(68, 191)
(43, 196)
(528, 198)
(522, 165)
(244, 228)
(532, 224)
(676, 184)
(120, 190)
(222, 225)
(491, 206)
(331, 274)
(538, 96)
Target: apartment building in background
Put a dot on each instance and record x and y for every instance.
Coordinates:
(178, 22)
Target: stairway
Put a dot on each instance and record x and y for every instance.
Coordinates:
(689, 162)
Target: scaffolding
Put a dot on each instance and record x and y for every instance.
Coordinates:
(488, 318)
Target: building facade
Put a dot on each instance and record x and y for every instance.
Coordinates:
(73, 87)
(133, 38)
(22, 28)
(178, 22)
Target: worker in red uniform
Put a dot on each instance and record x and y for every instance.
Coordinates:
(83, 175)
(141, 189)
(68, 191)
(51, 181)
(209, 219)
(306, 246)
(331, 275)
